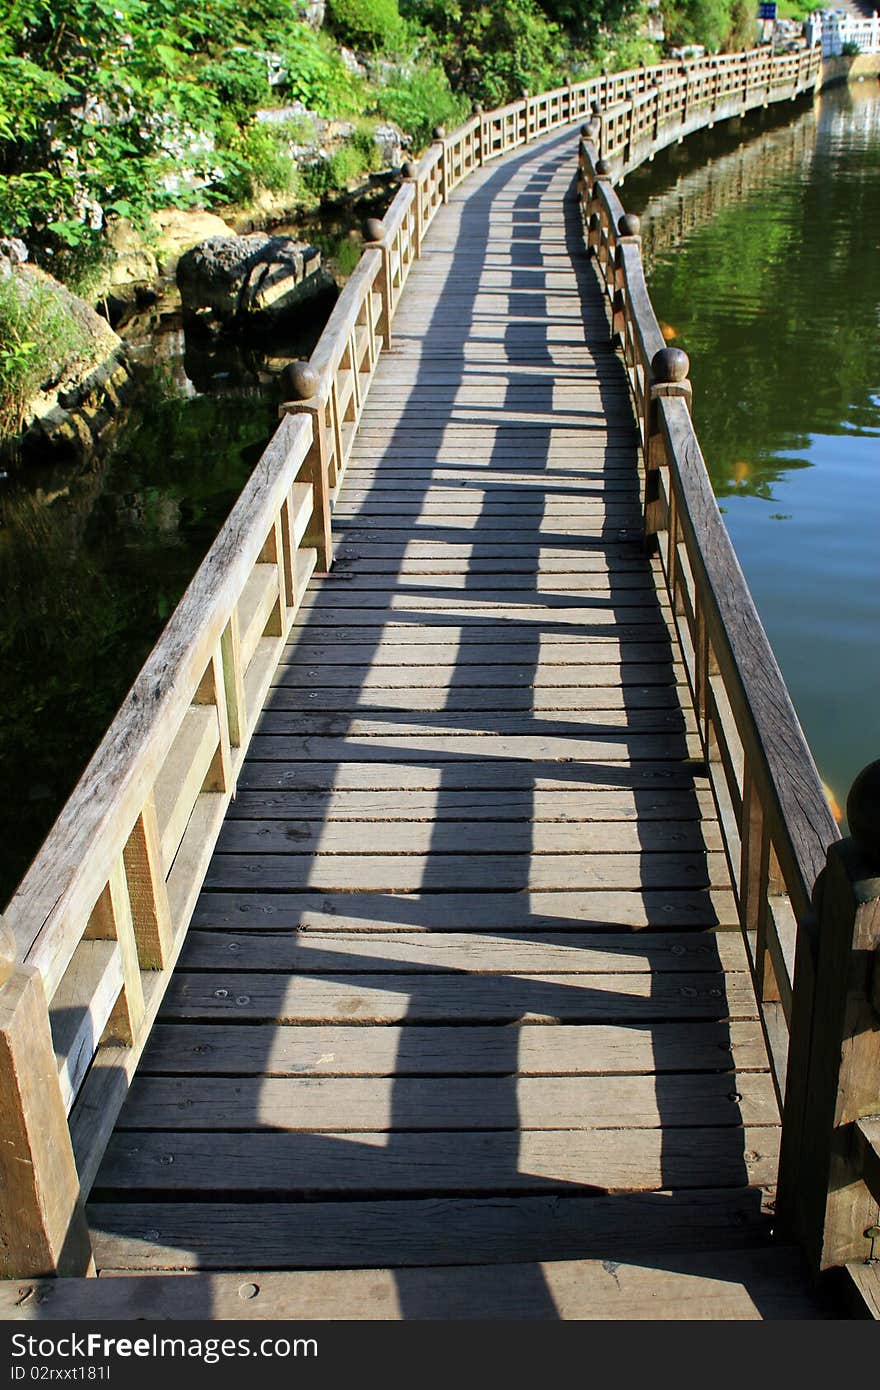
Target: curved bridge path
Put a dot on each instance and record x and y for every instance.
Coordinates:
(464, 1009)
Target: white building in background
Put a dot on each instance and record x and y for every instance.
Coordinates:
(835, 28)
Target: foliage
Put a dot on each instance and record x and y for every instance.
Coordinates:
(38, 335)
(421, 101)
(317, 76)
(494, 52)
(358, 156)
(373, 24)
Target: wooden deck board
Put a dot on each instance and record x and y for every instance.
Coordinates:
(461, 987)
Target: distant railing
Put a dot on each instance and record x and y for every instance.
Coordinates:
(100, 916)
(833, 29)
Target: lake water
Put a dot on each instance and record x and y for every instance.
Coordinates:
(763, 262)
(762, 246)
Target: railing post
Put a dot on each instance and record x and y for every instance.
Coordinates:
(628, 229)
(477, 110)
(410, 172)
(823, 1200)
(375, 240)
(669, 378)
(440, 139)
(302, 381)
(42, 1224)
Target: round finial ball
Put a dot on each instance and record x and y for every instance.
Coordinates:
(863, 811)
(410, 169)
(603, 168)
(439, 132)
(477, 108)
(585, 129)
(629, 224)
(567, 80)
(301, 380)
(374, 229)
(670, 365)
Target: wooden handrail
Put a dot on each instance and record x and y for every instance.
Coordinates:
(100, 916)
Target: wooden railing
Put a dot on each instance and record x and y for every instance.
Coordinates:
(100, 917)
(812, 928)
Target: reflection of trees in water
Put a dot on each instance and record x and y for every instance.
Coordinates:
(764, 265)
(93, 558)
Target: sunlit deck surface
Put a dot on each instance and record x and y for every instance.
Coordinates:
(465, 986)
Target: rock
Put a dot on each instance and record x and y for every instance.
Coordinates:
(351, 61)
(392, 142)
(133, 262)
(13, 250)
(251, 281)
(312, 11)
(177, 230)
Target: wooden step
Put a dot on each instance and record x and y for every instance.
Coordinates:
(751, 1284)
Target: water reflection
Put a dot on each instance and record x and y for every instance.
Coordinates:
(763, 261)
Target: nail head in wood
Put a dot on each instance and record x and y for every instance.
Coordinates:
(301, 380)
(374, 229)
(863, 811)
(670, 364)
(629, 224)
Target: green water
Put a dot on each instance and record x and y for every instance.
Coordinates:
(763, 258)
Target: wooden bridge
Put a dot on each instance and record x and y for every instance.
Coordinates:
(440, 936)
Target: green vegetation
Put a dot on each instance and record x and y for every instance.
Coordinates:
(114, 108)
(41, 339)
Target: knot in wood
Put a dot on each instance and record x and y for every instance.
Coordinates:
(863, 812)
(629, 224)
(670, 364)
(301, 380)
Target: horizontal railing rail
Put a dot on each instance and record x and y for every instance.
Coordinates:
(100, 917)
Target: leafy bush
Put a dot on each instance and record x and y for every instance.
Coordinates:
(240, 79)
(421, 101)
(38, 336)
(317, 76)
(374, 24)
(492, 53)
(358, 156)
(254, 158)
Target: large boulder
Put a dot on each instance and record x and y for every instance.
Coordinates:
(248, 282)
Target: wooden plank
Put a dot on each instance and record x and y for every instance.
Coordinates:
(441, 998)
(321, 1103)
(295, 837)
(716, 1285)
(499, 668)
(559, 953)
(534, 1049)
(446, 1230)
(864, 1280)
(556, 911)
(449, 872)
(469, 699)
(286, 1165)
(501, 805)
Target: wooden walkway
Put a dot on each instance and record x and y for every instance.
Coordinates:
(465, 986)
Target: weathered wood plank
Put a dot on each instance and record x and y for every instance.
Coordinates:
(216, 1235)
(534, 1049)
(547, 953)
(438, 872)
(556, 911)
(500, 805)
(717, 1285)
(442, 998)
(292, 837)
(284, 1165)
